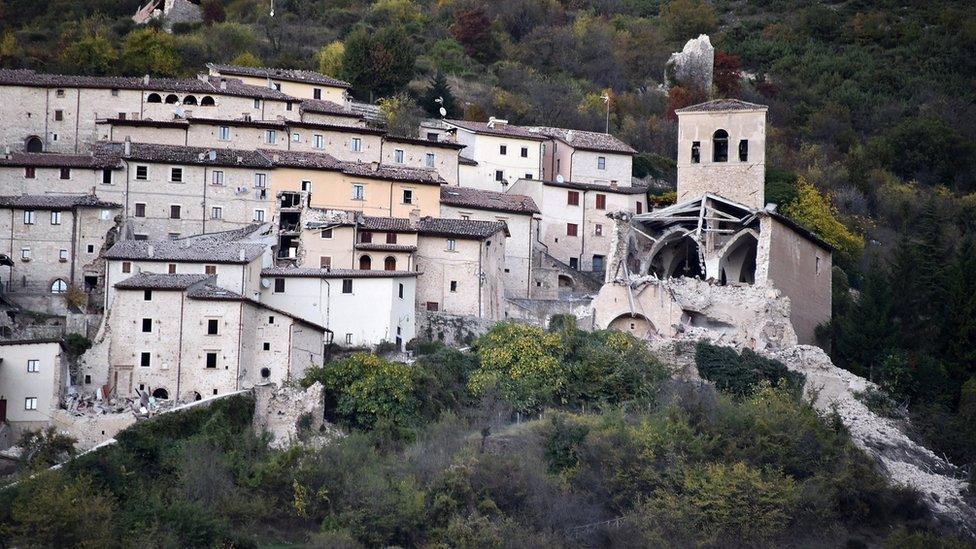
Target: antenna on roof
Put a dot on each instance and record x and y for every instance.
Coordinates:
(606, 99)
(442, 110)
(272, 8)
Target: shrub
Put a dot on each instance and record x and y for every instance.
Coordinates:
(521, 362)
(738, 374)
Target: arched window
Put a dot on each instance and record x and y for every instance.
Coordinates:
(389, 264)
(34, 144)
(154, 98)
(365, 262)
(59, 287)
(720, 146)
(161, 393)
(207, 101)
(189, 100)
(172, 99)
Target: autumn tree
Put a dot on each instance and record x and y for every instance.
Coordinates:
(378, 64)
(472, 29)
(815, 211)
(685, 19)
(148, 51)
(726, 74)
(330, 58)
(92, 55)
(402, 115)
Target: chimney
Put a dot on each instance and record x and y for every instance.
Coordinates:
(241, 255)
(6, 151)
(414, 217)
(223, 83)
(127, 146)
(150, 251)
(145, 80)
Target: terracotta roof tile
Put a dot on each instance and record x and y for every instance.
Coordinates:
(634, 189)
(153, 281)
(723, 105)
(301, 272)
(181, 154)
(588, 141)
(488, 200)
(292, 75)
(54, 160)
(55, 202)
(499, 130)
(322, 106)
(186, 251)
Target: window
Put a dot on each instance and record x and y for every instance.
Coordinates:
(25, 254)
(398, 156)
(348, 339)
(572, 198)
(30, 172)
(358, 192)
(503, 149)
(743, 150)
(115, 92)
(58, 115)
(572, 229)
(59, 93)
(126, 267)
(217, 212)
(140, 209)
(640, 207)
(598, 263)
(106, 177)
(271, 137)
(528, 176)
(211, 360)
(147, 325)
(259, 215)
(171, 268)
(816, 265)
(598, 230)
(210, 270)
(720, 146)
(147, 295)
(407, 196)
(176, 175)
(357, 144)
(223, 133)
(365, 263)
(318, 141)
(316, 93)
(432, 305)
(144, 359)
(347, 285)
(33, 366)
(391, 238)
(91, 248)
(326, 233)
(217, 177)
(525, 152)
(63, 256)
(279, 285)
(29, 217)
(174, 211)
(500, 176)
(65, 173)
(142, 173)
(389, 264)
(260, 180)
(601, 162)
(295, 136)
(213, 326)
(429, 160)
(574, 263)
(270, 320)
(306, 186)
(451, 245)
(325, 262)
(257, 103)
(154, 98)
(30, 403)
(400, 290)
(454, 286)
(267, 347)
(54, 137)
(601, 201)
(365, 236)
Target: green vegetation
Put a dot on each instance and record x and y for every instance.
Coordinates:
(626, 457)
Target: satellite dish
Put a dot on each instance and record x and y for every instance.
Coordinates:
(559, 179)
(272, 8)
(443, 111)
(265, 283)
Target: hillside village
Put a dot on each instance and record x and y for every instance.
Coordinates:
(236, 231)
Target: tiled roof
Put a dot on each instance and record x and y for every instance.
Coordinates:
(388, 224)
(270, 124)
(292, 75)
(212, 292)
(362, 130)
(424, 142)
(635, 189)
(302, 272)
(204, 85)
(321, 106)
(397, 173)
(723, 105)
(382, 247)
(464, 160)
(40, 341)
(180, 123)
(300, 159)
(181, 154)
(500, 130)
(488, 200)
(53, 160)
(461, 228)
(587, 141)
(54, 201)
(186, 251)
(223, 237)
(153, 281)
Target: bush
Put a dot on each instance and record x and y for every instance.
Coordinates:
(739, 374)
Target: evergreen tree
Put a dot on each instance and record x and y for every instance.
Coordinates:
(863, 337)
(439, 88)
(356, 62)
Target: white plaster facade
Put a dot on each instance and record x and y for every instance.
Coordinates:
(32, 380)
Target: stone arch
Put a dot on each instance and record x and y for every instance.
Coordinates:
(676, 255)
(59, 286)
(160, 393)
(195, 395)
(564, 281)
(389, 264)
(265, 373)
(636, 325)
(154, 98)
(172, 99)
(207, 101)
(33, 144)
(190, 100)
(737, 259)
(365, 262)
(720, 146)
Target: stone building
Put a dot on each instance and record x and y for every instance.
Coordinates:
(33, 375)
(54, 242)
(585, 157)
(441, 156)
(503, 153)
(294, 82)
(183, 336)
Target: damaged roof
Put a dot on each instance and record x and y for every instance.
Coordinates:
(301, 159)
(723, 105)
(302, 272)
(186, 251)
(434, 226)
(425, 142)
(587, 141)
(154, 281)
(55, 202)
(290, 75)
(488, 200)
(425, 176)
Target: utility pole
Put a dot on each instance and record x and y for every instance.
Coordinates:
(606, 99)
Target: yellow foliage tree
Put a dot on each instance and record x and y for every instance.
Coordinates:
(330, 58)
(815, 211)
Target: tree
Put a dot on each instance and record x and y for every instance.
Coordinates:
(439, 89)
(55, 510)
(45, 448)
(148, 51)
(522, 363)
(330, 58)
(356, 60)
(212, 11)
(93, 55)
(379, 64)
(685, 19)
(725, 74)
(10, 51)
(402, 115)
(247, 59)
(472, 29)
(815, 212)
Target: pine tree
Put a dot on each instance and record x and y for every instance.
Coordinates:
(439, 88)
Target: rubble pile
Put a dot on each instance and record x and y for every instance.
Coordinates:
(142, 406)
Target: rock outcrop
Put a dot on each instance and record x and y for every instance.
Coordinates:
(693, 66)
